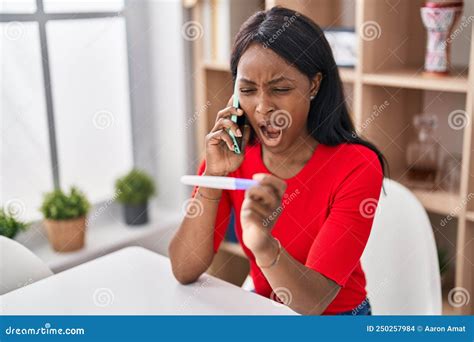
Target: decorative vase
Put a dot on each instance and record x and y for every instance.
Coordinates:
(439, 19)
(424, 155)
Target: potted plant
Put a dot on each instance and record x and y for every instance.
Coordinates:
(134, 190)
(65, 219)
(9, 224)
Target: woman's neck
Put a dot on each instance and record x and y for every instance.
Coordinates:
(289, 163)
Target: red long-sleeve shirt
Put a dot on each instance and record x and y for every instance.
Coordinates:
(326, 218)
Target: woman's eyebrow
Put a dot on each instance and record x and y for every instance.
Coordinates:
(247, 80)
(279, 79)
(276, 80)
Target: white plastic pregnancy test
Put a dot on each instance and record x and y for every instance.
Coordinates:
(226, 183)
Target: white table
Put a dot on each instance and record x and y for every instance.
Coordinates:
(133, 281)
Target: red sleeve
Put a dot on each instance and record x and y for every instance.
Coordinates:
(223, 212)
(339, 244)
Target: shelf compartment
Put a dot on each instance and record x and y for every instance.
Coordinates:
(326, 13)
(412, 78)
(437, 201)
(389, 42)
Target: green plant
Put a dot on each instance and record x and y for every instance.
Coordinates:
(134, 188)
(9, 224)
(58, 205)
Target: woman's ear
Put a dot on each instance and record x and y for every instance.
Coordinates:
(315, 84)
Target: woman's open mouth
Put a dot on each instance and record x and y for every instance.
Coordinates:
(271, 135)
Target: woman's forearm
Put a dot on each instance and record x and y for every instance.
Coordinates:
(192, 248)
(299, 287)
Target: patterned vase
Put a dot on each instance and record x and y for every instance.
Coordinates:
(439, 20)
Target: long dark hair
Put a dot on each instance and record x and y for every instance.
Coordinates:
(301, 42)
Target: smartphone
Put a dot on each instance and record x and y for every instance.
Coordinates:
(240, 121)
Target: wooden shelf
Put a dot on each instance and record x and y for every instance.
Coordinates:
(470, 215)
(416, 79)
(348, 75)
(217, 66)
(435, 201)
(439, 202)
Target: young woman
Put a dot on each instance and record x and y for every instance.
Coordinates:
(306, 224)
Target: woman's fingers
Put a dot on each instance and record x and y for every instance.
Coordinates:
(228, 111)
(231, 101)
(263, 202)
(258, 207)
(264, 195)
(252, 209)
(226, 124)
(216, 138)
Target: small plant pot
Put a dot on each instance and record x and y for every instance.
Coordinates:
(66, 235)
(136, 215)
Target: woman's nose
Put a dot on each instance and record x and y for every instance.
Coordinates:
(264, 105)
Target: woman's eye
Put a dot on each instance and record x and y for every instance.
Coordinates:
(246, 91)
(281, 90)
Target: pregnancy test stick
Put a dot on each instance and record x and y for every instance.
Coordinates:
(226, 183)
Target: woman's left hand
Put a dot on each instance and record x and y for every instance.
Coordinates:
(260, 210)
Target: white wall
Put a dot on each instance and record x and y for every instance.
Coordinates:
(169, 98)
(161, 97)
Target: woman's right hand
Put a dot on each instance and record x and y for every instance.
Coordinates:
(220, 156)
